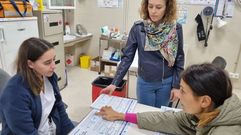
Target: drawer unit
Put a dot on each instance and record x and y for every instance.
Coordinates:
(50, 24)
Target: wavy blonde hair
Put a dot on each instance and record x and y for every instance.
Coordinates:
(170, 13)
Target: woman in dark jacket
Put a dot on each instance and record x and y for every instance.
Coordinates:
(159, 41)
(31, 103)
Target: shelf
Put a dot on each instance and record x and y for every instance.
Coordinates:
(120, 42)
(17, 19)
(110, 61)
(112, 39)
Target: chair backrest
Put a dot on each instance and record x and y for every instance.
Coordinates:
(219, 62)
(4, 77)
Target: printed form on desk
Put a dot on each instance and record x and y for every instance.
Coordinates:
(95, 125)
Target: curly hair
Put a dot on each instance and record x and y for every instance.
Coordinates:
(170, 13)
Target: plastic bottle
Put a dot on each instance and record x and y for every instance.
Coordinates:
(67, 28)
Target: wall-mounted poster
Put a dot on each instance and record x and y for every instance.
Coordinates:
(202, 2)
(109, 3)
(224, 8)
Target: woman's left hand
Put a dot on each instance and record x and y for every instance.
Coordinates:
(174, 94)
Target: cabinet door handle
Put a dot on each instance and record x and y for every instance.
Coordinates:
(55, 43)
(21, 29)
(57, 62)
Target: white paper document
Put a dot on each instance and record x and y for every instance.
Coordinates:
(95, 125)
(119, 104)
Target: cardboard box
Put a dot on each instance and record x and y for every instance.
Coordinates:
(110, 70)
(95, 64)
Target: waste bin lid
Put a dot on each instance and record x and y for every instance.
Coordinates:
(103, 81)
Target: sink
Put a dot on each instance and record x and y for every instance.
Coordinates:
(69, 37)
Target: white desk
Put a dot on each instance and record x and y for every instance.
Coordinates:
(93, 124)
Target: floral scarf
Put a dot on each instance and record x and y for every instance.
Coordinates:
(162, 37)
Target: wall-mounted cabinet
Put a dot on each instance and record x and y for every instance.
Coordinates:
(62, 4)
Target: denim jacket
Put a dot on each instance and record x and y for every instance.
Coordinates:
(151, 64)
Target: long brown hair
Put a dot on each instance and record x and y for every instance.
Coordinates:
(31, 49)
(170, 12)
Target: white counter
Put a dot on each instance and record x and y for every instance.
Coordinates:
(70, 40)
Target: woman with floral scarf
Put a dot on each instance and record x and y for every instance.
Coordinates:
(159, 41)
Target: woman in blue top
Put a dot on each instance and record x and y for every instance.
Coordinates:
(31, 103)
(159, 41)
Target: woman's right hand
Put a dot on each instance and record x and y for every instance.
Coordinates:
(108, 90)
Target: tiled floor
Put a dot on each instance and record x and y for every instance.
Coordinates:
(77, 95)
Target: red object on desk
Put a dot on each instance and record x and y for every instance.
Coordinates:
(101, 82)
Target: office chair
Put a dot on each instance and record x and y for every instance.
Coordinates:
(219, 62)
(4, 77)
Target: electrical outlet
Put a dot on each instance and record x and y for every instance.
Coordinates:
(234, 75)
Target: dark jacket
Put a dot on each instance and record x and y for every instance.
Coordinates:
(21, 110)
(151, 64)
